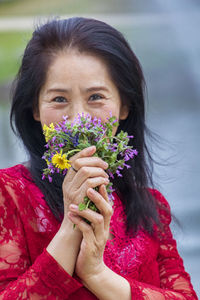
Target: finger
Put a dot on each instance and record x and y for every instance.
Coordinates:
(96, 220)
(86, 229)
(85, 173)
(87, 152)
(90, 161)
(102, 204)
(103, 192)
(81, 192)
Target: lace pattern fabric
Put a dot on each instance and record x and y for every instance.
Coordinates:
(152, 266)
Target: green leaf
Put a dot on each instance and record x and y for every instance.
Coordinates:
(83, 145)
(82, 206)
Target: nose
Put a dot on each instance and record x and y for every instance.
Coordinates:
(78, 109)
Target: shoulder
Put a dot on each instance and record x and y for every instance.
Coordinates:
(159, 197)
(13, 181)
(18, 190)
(15, 174)
(162, 206)
(17, 170)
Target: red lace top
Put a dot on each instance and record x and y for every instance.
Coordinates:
(152, 266)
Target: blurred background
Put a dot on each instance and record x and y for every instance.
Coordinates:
(165, 37)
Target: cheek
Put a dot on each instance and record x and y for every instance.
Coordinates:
(104, 113)
(50, 116)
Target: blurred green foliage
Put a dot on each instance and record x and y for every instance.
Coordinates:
(12, 45)
(57, 7)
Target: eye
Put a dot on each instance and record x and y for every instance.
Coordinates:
(95, 97)
(60, 99)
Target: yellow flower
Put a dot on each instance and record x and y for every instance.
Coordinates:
(60, 161)
(48, 131)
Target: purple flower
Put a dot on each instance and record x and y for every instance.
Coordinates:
(61, 145)
(110, 197)
(126, 158)
(51, 168)
(118, 173)
(130, 153)
(127, 166)
(135, 151)
(75, 140)
(65, 118)
(50, 178)
(64, 172)
(110, 174)
(94, 121)
(53, 139)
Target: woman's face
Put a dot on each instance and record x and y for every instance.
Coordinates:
(78, 83)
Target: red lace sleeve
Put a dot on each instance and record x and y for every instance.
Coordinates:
(19, 277)
(174, 281)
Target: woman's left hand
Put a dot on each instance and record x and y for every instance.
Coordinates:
(95, 235)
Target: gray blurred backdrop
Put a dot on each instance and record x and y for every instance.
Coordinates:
(165, 36)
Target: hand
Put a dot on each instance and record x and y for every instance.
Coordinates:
(90, 258)
(65, 245)
(90, 174)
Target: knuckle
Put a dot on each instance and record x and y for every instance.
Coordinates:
(95, 252)
(101, 246)
(99, 219)
(76, 163)
(84, 170)
(106, 237)
(109, 211)
(100, 170)
(89, 182)
(87, 229)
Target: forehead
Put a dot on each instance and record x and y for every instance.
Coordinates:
(73, 65)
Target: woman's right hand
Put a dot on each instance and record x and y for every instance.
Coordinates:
(88, 172)
(64, 246)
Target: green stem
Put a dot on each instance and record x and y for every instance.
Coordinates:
(112, 137)
(88, 203)
(105, 138)
(72, 151)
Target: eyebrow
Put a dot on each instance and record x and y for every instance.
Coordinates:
(97, 88)
(91, 89)
(59, 90)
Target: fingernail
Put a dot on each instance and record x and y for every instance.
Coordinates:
(105, 165)
(73, 206)
(107, 180)
(90, 190)
(91, 148)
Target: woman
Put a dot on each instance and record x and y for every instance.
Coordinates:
(125, 252)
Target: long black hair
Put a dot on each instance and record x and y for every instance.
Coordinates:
(104, 41)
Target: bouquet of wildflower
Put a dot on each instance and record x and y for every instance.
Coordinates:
(66, 138)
